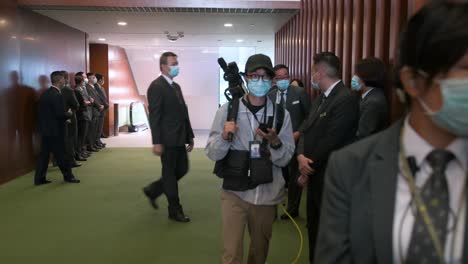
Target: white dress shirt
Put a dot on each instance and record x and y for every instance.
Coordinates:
(278, 96)
(330, 89)
(169, 80)
(366, 93)
(456, 173)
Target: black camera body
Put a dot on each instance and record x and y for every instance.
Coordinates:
(234, 92)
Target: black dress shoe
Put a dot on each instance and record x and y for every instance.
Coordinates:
(72, 180)
(42, 182)
(76, 165)
(286, 217)
(151, 200)
(179, 216)
(80, 158)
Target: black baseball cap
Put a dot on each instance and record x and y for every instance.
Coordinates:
(258, 61)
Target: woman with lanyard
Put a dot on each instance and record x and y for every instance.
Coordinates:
(400, 196)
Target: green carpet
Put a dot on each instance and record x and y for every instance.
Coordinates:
(106, 218)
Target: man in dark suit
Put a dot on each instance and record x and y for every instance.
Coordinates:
(332, 124)
(172, 135)
(52, 116)
(296, 101)
(97, 108)
(99, 86)
(400, 196)
(71, 125)
(369, 81)
(84, 114)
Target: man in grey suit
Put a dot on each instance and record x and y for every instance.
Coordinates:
(98, 107)
(369, 81)
(400, 196)
(99, 86)
(297, 102)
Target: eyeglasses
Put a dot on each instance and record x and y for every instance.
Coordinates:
(256, 77)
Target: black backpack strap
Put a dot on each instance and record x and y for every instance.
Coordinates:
(279, 118)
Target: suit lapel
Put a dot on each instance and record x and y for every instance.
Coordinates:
(465, 240)
(290, 97)
(314, 114)
(383, 170)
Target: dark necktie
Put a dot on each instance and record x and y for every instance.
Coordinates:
(435, 196)
(178, 92)
(322, 99)
(282, 99)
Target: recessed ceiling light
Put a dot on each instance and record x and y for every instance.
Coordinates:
(240, 40)
(252, 25)
(101, 39)
(228, 25)
(122, 23)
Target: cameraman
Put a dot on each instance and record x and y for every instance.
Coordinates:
(255, 206)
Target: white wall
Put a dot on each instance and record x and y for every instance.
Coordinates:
(199, 75)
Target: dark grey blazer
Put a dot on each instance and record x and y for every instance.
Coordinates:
(373, 114)
(297, 104)
(358, 203)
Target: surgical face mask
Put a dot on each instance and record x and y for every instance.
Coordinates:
(453, 114)
(174, 71)
(282, 84)
(95, 81)
(315, 85)
(355, 85)
(259, 88)
(86, 80)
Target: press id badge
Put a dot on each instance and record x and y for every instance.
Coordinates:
(255, 149)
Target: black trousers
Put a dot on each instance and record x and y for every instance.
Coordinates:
(174, 166)
(314, 201)
(56, 146)
(92, 131)
(294, 190)
(82, 134)
(70, 141)
(99, 128)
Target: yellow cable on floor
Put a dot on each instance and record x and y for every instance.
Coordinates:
(300, 235)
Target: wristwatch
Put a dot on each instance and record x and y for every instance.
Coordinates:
(276, 146)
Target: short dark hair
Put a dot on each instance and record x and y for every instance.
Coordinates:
(78, 79)
(299, 82)
(164, 56)
(56, 76)
(99, 76)
(331, 61)
(435, 38)
(371, 71)
(90, 74)
(79, 73)
(281, 66)
(65, 75)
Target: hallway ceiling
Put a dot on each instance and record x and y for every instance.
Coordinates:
(254, 22)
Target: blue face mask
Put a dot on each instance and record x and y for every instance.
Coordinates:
(283, 84)
(86, 80)
(95, 81)
(453, 114)
(259, 88)
(315, 85)
(174, 71)
(355, 85)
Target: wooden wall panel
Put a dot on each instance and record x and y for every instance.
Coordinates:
(27, 40)
(353, 29)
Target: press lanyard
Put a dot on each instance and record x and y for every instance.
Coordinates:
(422, 208)
(255, 116)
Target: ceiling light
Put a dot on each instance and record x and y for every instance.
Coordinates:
(101, 39)
(259, 40)
(228, 25)
(122, 23)
(240, 40)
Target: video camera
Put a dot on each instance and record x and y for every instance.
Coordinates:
(235, 91)
(236, 87)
